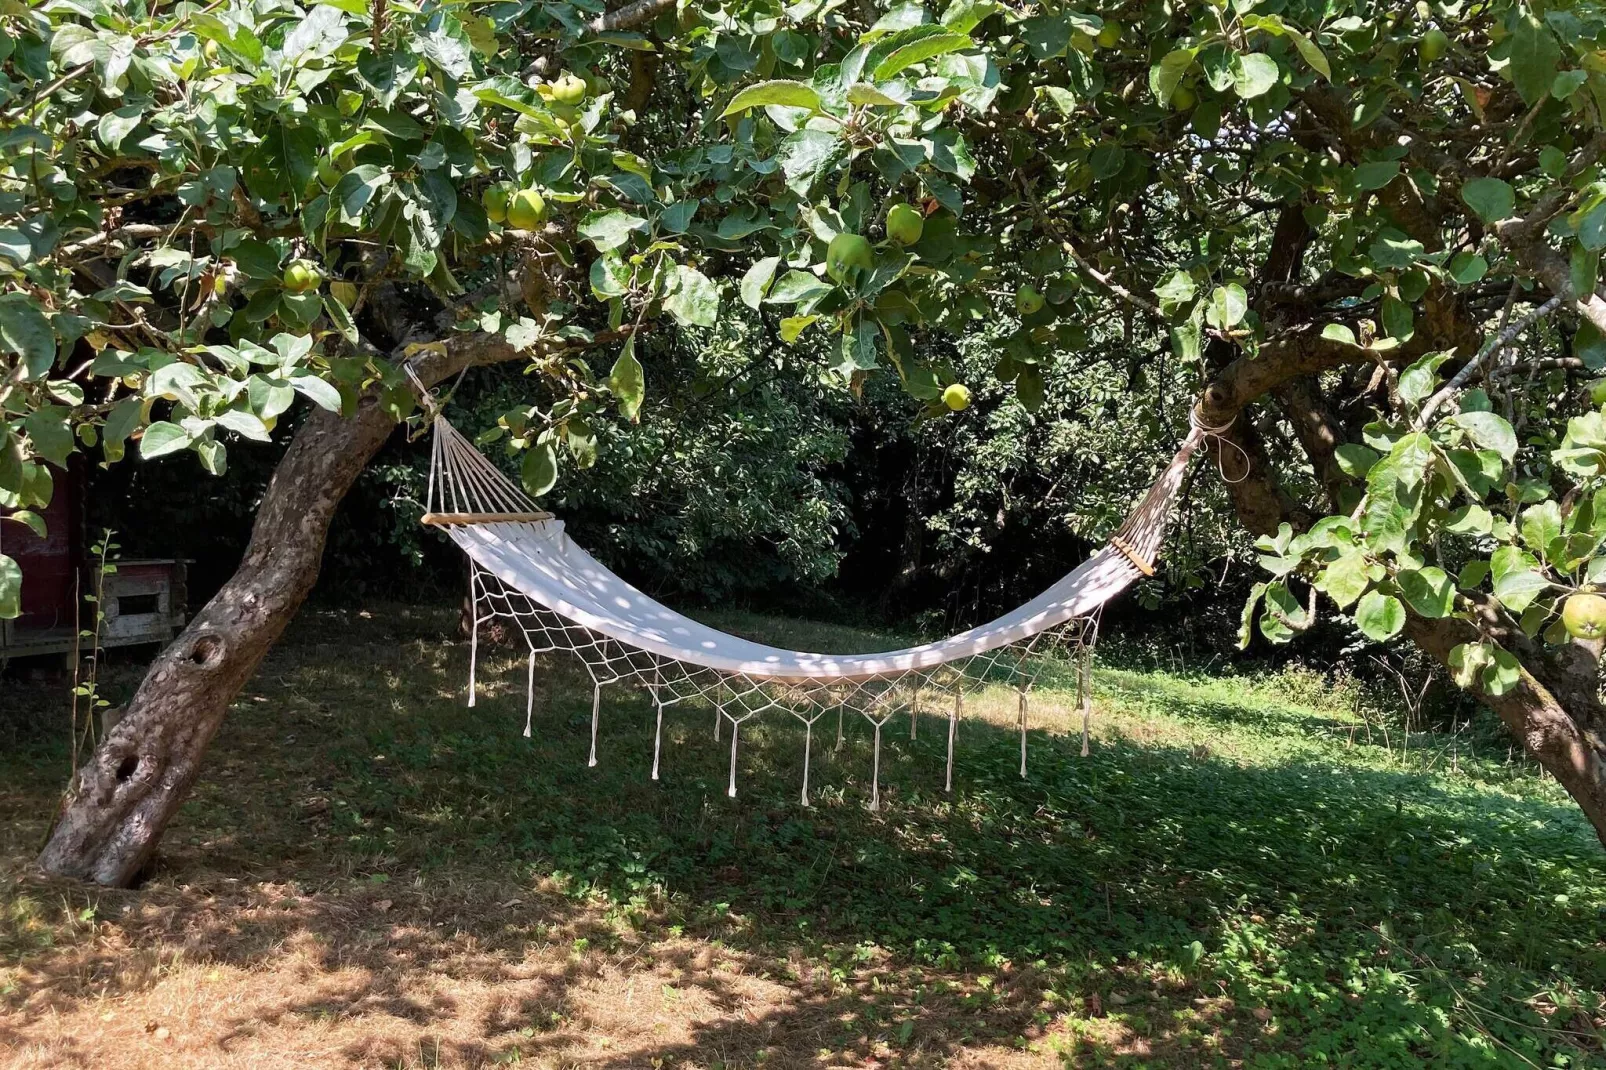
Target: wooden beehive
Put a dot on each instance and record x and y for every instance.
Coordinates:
(144, 599)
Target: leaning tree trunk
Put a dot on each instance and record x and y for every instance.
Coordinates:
(119, 802)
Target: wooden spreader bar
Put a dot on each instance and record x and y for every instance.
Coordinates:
(445, 520)
(1132, 555)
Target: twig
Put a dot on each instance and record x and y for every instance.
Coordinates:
(1081, 261)
(1522, 132)
(1500, 341)
(44, 94)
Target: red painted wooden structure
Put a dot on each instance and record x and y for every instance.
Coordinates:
(143, 599)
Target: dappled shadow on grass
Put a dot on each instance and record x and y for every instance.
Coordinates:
(375, 865)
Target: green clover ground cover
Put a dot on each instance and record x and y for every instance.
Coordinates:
(1226, 874)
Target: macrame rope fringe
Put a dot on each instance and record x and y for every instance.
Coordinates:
(953, 729)
(875, 773)
(596, 715)
(474, 633)
(808, 744)
(658, 733)
(529, 697)
(1023, 733)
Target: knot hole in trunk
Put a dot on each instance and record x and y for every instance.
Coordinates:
(126, 768)
(207, 651)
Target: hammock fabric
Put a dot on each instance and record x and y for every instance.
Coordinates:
(526, 570)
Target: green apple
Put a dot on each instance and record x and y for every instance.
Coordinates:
(904, 224)
(495, 201)
(847, 255)
(956, 397)
(526, 210)
(1028, 300)
(301, 276)
(1584, 616)
(569, 88)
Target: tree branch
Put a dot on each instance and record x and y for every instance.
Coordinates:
(630, 16)
(1497, 343)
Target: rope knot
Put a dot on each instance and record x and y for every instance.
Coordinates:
(1219, 433)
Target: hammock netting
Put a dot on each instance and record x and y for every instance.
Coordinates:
(529, 576)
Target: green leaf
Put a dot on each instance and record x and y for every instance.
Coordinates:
(1567, 83)
(1248, 616)
(1489, 430)
(628, 381)
(919, 50)
(1254, 75)
(1337, 332)
(51, 433)
(245, 424)
(787, 94)
(1046, 36)
(1377, 174)
(1311, 53)
(31, 520)
(1503, 674)
(539, 470)
(1354, 459)
(25, 331)
(805, 157)
(793, 326)
(756, 283)
(1467, 268)
(1345, 579)
(1429, 591)
(695, 302)
(609, 277)
(1583, 269)
(1470, 519)
(119, 424)
(1177, 291)
(1540, 524)
(1491, 198)
(1379, 616)
(796, 287)
(10, 589)
(318, 391)
(1228, 306)
(1394, 495)
(355, 191)
(1284, 614)
(162, 438)
(1517, 589)
(114, 127)
(865, 93)
(1165, 76)
(1419, 380)
(1533, 56)
(1397, 319)
(610, 229)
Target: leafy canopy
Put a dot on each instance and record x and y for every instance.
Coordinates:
(207, 212)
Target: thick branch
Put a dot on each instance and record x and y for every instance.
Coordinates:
(630, 16)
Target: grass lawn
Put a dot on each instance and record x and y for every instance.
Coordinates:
(371, 874)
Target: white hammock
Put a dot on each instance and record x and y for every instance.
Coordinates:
(527, 571)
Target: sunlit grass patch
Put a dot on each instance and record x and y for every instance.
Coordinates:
(1231, 872)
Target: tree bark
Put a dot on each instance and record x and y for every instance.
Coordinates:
(120, 801)
(118, 804)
